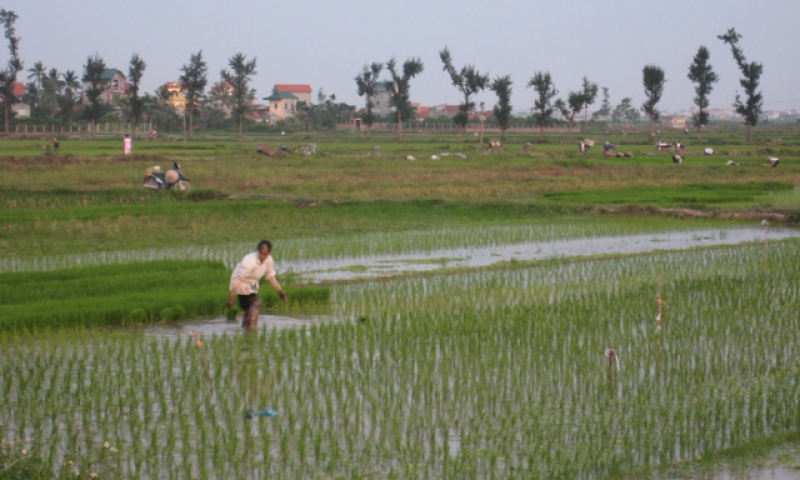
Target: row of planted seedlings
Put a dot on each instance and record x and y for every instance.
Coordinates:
(370, 244)
(509, 380)
(128, 294)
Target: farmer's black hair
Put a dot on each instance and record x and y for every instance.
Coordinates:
(264, 242)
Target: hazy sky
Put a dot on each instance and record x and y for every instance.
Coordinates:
(325, 43)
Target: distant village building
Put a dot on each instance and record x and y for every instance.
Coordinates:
(22, 110)
(282, 105)
(114, 85)
(301, 92)
(284, 101)
(722, 114)
(444, 110)
(673, 121)
(174, 95)
(381, 101)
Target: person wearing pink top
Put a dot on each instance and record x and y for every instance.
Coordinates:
(128, 143)
(245, 279)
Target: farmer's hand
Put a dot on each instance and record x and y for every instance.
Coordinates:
(229, 303)
(282, 294)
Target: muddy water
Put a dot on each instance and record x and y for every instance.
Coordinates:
(377, 266)
(221, 326)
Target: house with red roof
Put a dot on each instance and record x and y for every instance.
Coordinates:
(301, 92)
(444, 111)
(421, 112)
(22, 110)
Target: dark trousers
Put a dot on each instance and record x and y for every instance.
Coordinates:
(250, 304)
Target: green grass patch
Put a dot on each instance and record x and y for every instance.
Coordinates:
(696, 196)
(126, 294)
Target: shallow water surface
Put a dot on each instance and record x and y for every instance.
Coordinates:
(386, 265)
(221, 325)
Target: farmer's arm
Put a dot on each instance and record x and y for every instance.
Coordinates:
(231, 298)
(277, 286)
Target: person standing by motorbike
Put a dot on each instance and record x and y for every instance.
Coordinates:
(245, 280)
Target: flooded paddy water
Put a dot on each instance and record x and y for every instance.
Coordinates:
(382, 265)
(491, 373)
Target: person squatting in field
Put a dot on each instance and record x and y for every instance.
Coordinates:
(245, 280)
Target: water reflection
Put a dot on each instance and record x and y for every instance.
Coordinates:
(387, 265)
(221, 326)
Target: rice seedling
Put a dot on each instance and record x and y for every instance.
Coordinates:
(488, 374)
(127, 294)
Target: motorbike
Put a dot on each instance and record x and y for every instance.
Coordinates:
(155, 179)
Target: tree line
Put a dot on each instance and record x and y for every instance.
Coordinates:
(469, 81)
(65, 98)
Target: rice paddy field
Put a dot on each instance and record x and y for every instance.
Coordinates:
(663, 363)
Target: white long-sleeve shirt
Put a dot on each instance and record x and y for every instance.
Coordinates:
(249, 271)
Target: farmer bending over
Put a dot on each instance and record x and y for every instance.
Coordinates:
(245, 279)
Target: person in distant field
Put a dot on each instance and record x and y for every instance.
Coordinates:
(56, 145)
(245, 280)
(153, 134)
(128, 144)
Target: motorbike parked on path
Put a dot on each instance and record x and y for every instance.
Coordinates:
(172, 179)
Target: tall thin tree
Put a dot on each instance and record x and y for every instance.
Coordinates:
(545, 88)
(589, 93)
(194, 81)
(367, 82)
(501, 86)
(704, 78)
(653, 79)
(135, 72)
(239, 77)
(37, 73)
(71, 82)
(605, 107)
(399, 88)
(8, 76)
(94, 109)
(750, 109)
(67, 101)
(469, 82)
